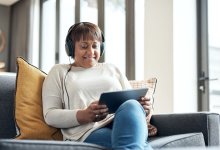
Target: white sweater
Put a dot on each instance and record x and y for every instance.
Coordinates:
(82, 86)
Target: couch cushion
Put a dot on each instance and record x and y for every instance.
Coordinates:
(28, 104)
(7, 94)
(46, 145)
(181, 140)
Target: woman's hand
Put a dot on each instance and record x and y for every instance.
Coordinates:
(146, 103)
(93, 113)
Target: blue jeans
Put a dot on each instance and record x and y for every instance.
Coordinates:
(129, 129)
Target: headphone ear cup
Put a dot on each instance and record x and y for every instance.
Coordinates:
(69, 47)
(102, 47)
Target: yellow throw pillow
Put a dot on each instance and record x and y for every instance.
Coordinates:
(151, 85)
(28, 104)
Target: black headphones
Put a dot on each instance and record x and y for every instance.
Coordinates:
(70, 46)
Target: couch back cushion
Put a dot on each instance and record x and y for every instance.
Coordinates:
(7, 94)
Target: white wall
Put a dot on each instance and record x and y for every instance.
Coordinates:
(159, 51)
(170, 53)
(184, 56)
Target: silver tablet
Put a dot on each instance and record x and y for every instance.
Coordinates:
(114, 99)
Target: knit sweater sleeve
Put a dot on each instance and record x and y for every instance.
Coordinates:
(52, 100)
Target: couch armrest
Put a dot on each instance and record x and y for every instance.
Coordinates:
(171, 124)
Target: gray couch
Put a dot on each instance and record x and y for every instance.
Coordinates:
(174, 130)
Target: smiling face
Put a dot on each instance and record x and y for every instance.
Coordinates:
(86, 39)
(87, 53)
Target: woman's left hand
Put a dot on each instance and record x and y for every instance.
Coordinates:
(146, 103)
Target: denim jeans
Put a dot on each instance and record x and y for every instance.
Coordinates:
(129, 129)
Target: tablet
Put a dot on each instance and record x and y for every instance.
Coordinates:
(114, 99)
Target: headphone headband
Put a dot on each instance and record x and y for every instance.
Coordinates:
(70, 46)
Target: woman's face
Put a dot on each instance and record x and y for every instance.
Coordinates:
(87, 53)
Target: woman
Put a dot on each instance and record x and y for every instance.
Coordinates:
(71, 93)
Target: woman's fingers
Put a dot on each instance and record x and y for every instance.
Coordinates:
(101, 116)
(146, 104)
(99, 111)
(146, 107)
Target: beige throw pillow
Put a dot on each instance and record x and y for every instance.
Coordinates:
(151, 85)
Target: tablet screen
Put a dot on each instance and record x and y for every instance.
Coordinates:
(114, 99)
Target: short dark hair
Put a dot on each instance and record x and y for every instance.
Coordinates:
(86, 30)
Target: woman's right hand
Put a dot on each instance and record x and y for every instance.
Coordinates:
(93, 113)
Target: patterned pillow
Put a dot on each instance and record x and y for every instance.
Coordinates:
(151, 85)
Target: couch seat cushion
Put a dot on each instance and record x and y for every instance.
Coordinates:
(181, 140)
(46, 145)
